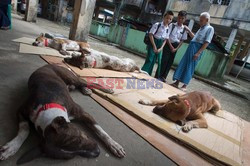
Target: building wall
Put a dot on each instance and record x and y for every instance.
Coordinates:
(237, 13)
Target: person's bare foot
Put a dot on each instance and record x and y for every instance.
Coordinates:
(184, 88)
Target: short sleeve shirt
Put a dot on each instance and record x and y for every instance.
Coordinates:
(204, 34)
(162, 33)
(177, 33)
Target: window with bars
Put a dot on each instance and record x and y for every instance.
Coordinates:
(221, 2)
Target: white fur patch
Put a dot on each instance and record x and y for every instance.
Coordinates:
(46, 117)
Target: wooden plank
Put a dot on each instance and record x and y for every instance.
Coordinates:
(170, 148)
(196, 139)
(99, 73)
(53, 60)
(29, 49)
(24, 40)
(246, 144)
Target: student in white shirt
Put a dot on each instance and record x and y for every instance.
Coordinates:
(176, 38)
(157, 35)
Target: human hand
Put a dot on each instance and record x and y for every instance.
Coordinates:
(196, 56)
(159, 50)
(155, 50)
(173, 50)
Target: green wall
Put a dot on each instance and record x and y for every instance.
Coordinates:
(99, 29)
(212, 64)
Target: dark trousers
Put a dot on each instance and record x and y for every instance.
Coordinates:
(4, 19)
(167, 60)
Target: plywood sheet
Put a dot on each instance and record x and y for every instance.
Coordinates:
(29, 49)
(221, 142)
(100, 73)
(179, 154)
(24, 40)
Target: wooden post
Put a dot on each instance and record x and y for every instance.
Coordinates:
(245, 50)
(14, 6)
(31, 11)
(230, 64)
(83, 13)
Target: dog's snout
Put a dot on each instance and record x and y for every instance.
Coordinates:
(157, 109)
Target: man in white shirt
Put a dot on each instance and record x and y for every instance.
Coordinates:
(158, 35)
(176, 37)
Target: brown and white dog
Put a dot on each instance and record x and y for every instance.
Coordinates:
(60, 44)
(186, 110)
(50, 108)
(96, 59)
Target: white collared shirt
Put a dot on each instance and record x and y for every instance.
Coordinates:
(177, 33)
(162, 33)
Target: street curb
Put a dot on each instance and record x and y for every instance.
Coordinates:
(215, 84)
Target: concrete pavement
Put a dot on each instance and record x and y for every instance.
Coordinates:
(15, 69)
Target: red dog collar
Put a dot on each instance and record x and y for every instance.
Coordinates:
(48, 106)
(46, 42)
(187, 103)
(94, 64)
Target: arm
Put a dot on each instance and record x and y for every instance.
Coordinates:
(170, 45)
(162, 46)
(151, 37)
(208, 39)
(179, 45)
(203, 47)
(191, 34)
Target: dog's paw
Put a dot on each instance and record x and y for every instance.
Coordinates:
(187, 127)
(86, 91)
(117, 149)
(109, 91)
(181, 122)
(71, 87)
(7, 151)
(145, 102)
(63, 52)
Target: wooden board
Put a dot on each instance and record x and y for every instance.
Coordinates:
(99, 73)
(220, 143)
(29, 49)
(176, 152)
(24, 40)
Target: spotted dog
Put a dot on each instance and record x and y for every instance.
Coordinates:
(60, 44)
(96, 59)
(187, 110)
(50, 108)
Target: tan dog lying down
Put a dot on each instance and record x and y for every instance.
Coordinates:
(60, 44)
(186, 110)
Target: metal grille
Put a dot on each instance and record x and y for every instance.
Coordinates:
(221, 2)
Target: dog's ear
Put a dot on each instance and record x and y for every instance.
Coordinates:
(55, 152)
(174, 98)
(85, 51)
